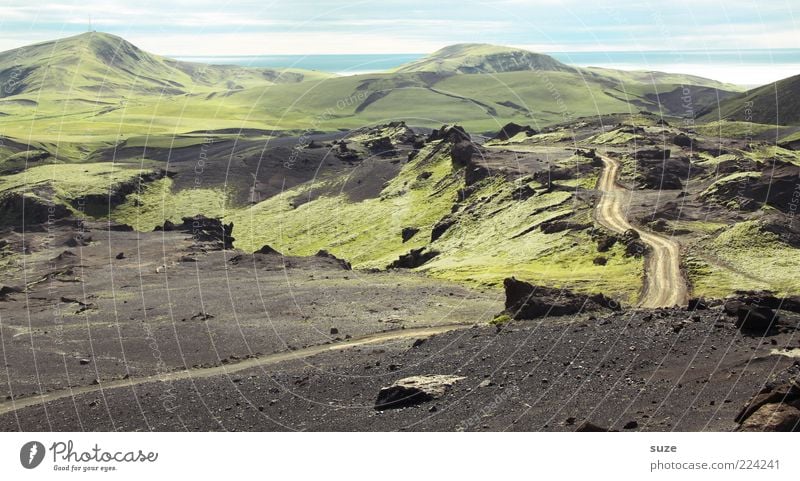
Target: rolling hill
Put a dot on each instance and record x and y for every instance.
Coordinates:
(95, 90)
(468, 58)
(96, 64)
(776, 103)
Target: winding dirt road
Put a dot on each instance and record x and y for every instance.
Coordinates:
(664, 283)
(227, 369)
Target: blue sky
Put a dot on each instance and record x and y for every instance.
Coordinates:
(408, 26)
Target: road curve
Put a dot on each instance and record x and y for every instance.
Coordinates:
(664, 284)
(226, 369)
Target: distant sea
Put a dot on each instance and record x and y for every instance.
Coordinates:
(743, 67)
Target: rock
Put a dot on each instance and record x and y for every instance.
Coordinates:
(523, 192)
(461, 153)
(486, 383)
(414, 390)
(788, 393)
(327, 255)
(84, 361)
(474, 173)
(414, 258)
(682, 140)
(5, 291)
(79, 240)
(334, 331)
(267, 250)
(651, 154)
(381, 146)
(756, 319)
(556, 226)
(588, 427)
(450, 133)
(605, 241)
(631, 425)
(120, 256)
(511, 129)
(209, 230)
(22, 210)
(599, 261)
(408, 232)
(773, 417)
(441, 227)
(697, 304)
(527, 301)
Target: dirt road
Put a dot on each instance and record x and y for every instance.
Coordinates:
(664, 282)
(227, 369)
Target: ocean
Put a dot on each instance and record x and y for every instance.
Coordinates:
(743, 67)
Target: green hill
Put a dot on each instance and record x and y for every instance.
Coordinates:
(777, 103)
(467, 58)
(95, 90)
(98, 65)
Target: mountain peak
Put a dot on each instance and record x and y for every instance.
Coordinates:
(483, 58)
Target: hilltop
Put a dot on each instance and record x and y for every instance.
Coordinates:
(96, 64)
(468, 58)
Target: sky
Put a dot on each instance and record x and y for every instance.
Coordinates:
(219, 27)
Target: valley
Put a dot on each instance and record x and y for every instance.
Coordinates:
(206, 247)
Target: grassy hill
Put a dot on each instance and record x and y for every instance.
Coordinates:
(467, 58)
(776, 103)
(97, 65)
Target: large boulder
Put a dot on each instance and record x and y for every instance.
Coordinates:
(528, 301)
(414, 390)
(775, 408)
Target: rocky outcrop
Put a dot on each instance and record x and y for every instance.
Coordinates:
(528, 301)
(414, 258)
(442, 226)
(757, 313)
(408, 232)
(267, 250)
(449, 133)
(17, 209)
(775, 408)
(511, 130)
(414, 390)
(208, 231)
(327, 255)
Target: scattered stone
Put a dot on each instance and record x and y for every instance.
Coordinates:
(414, 390)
